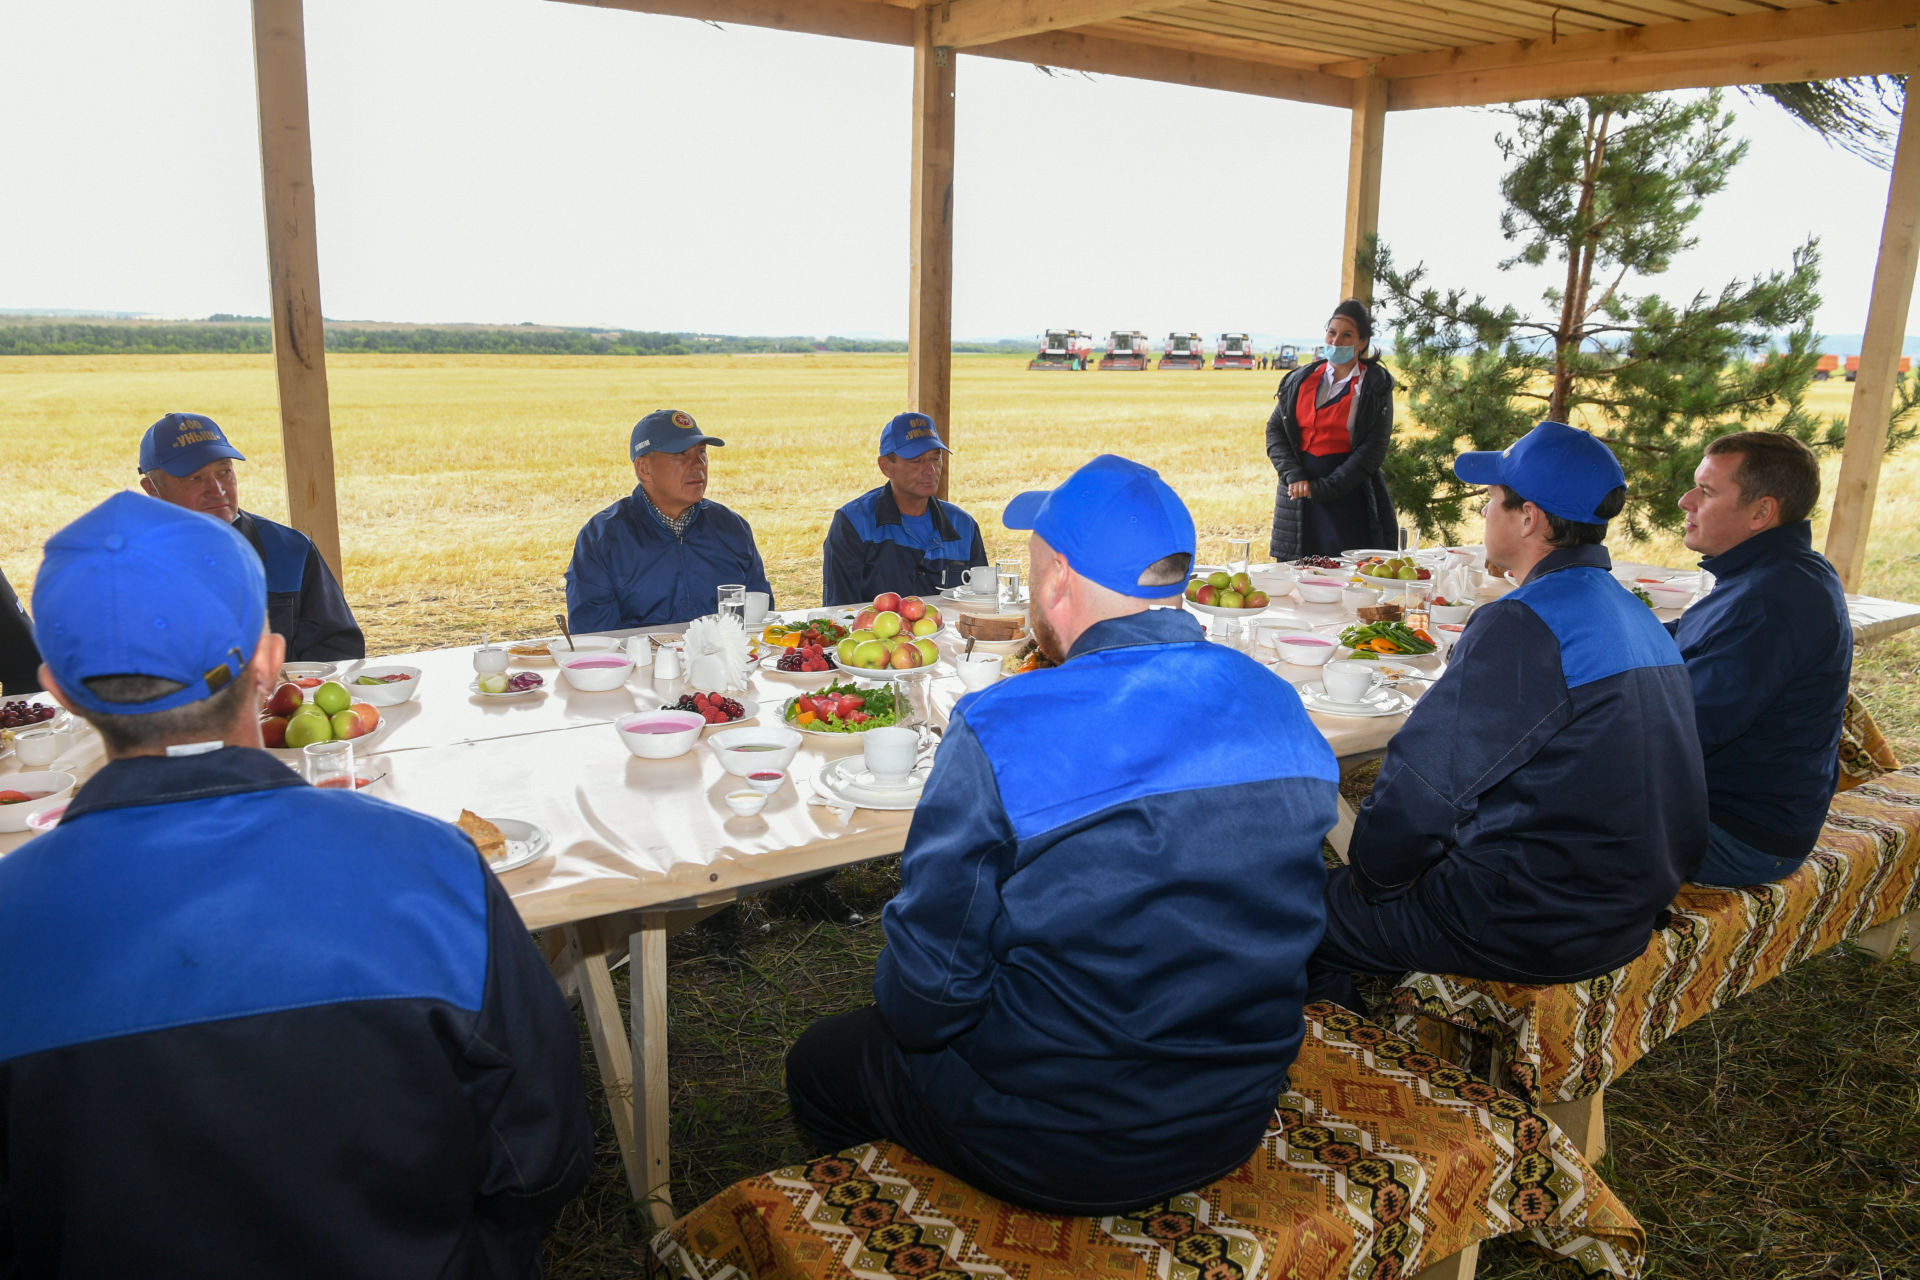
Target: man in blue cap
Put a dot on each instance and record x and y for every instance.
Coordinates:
(660, 554)
(309, 1030)
(1095, 967)
(1545, 799)
(185, 459)
(900, 537)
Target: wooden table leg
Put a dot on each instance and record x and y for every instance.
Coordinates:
(648, 1020)
(1882, 939)
(1584, 1121)
(1458, 1266)
(610, 1051)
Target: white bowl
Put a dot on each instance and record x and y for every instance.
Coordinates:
(772, 749)
(766, 786)
(1320, 590)
(53, 784)
(1450, 614)
(385, 695)
(1302, 649)
(660, 746)
(596, 679)
(1445, 634)
(979, 670)
(307, 671)
(1359, 597)
(47, 817)
(745, 803)
(1668, 597)
(559, 651)
(1276, 582)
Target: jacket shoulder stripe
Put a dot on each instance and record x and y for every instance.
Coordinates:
(1603, 628)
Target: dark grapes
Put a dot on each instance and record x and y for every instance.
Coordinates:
(18, 715)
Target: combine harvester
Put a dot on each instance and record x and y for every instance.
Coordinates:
(1064, 349)
(1184, 351)
(1125, 351)
(1234, 352)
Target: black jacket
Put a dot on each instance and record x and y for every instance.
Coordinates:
(1372, 432)
(19, 656)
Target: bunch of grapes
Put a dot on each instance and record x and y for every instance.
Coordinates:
(808, 657)
(714, 707)
(1318, 562)
(18, 715)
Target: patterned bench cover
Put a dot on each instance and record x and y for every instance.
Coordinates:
(1563, 1043)
(1379, 1161)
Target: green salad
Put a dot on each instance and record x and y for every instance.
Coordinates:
(844, 708)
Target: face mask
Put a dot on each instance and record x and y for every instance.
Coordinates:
(1338, 355)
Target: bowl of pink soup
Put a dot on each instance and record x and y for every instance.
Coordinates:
(596, 672)
(1303, 649)
(1319, 590)
(660, 735)
(22, 794)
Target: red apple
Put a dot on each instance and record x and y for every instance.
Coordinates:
(346, 726)
(285, 700)
(273, 730)
(865, 621)
(887, 602)
(912, 608)
(369, 716)
(1195, 587)
(1257, 600)
(1204, 595)
(905, 654)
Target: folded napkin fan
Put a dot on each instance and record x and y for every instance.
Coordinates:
(716, 653)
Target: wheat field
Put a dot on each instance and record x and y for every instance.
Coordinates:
(463, 479)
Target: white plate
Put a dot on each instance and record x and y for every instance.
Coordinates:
(473, 687)
(819, 733)
(542, 658)
(749, 709)
(771, 665)
(965, 595)
(1381, 702)
(887, 673)
(895, 801)
(361, 743)
(525, 842)
(849, 776)
(1215, 611)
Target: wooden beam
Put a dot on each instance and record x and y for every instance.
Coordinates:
(1663, 37)
(962, 23)
(930, 288)
(1823, 58)
(1363, 183)
(293, 270)
(848, 19)
(1853, 494)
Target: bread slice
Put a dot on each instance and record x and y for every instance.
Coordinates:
(1381, 613)
(992, 626)
(485, 836)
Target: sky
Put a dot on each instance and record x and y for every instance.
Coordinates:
(519, 160)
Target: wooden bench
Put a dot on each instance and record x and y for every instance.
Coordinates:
(1561, 1046)
(1381, 1160)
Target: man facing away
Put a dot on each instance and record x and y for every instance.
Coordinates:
(1094, 972)
(1769, 652)
(660, 554)
(185, 459)
(900, 537)
(254, 1028)
(1545, 799)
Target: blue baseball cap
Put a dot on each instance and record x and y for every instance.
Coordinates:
(667, 431)
(140, 587)
(1559, 469)
(182, 443)
(909, 435)
(1111, 519)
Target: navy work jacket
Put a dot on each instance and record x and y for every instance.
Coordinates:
(872, 548)
(1770, 654)
(304, 602)
(1097, 957)
(304, 1035)
(1545, 798)
(631, 570)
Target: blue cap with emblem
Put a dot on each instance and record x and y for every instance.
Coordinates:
(909, 435)
(1561, 470)
(140, 587)
(182, 443)
(1111, 520)
(667, 431)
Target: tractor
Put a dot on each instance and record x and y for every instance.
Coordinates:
(1234, 352)
(1288, 357)
(1064, 349)
(1126, 351)
(1184, 351)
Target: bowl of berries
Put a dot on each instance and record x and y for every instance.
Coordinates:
(715, 708)
(23, 714)
(800, 661)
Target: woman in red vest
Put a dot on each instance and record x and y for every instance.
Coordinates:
(1327, 438)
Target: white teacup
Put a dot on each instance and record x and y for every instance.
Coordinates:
(38, 748)
(1349, 681)
(758, 602)
(489, 658)
(983, 579)
(890, 753)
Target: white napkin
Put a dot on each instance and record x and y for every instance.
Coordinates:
(716, 653)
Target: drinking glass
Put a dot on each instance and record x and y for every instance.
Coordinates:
(733, 602)
(329, 764)
(1239, 554)
(1009, 571)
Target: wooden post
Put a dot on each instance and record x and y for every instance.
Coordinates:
(1879, 359)
(293, 267)
(1584, 1121)
(1363, 180)
(930, 291)
(647, 1036)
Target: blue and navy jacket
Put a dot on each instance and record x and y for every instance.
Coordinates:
(872, 548)
(1545, 799)
(1770, 653)
(254, 1028)
(631, 570)
(304, 602)
(1097, 958)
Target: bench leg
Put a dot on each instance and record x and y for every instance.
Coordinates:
(1460, 1266)
(1883, 939)
(1584, 1122)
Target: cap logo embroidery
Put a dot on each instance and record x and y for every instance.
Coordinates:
(682, 421)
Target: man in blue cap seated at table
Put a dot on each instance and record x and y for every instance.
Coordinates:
(254, 1027)
(1095, 967)
(185, 459)
(1770, 654)
(1544, 800)
(901, 537)
(660, 554)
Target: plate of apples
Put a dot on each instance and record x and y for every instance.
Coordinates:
(295, 718)
(890, 637)
(1226, 595)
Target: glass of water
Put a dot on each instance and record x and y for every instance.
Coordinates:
(1239, 554)
(1009, 571)
(733, 601)
(329, 764)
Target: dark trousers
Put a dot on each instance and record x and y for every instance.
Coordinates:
(848, 1083)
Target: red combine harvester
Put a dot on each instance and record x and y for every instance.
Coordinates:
(1064, 349)
(1234, 352)
(1184, 351)
(1126, 351)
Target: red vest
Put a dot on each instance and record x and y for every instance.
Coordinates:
(1323, 428)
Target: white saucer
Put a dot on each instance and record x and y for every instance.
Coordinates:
(1380, 702)
(525, 842)
(852, 772)
(833, 783)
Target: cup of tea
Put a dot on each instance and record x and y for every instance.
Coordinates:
(890, 753)
(758, 602)
(1349, 681)
(983, 579)
(38, 748)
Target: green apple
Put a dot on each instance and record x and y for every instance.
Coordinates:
(1230, 600)
(1241, 583)
(1218, 580)
(870, 654)
(887, 625)
(844, 651)
(1408, 574)
(332, 697)
(1193, 588)
(925, 626)
(304, 731)
(929, 652)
